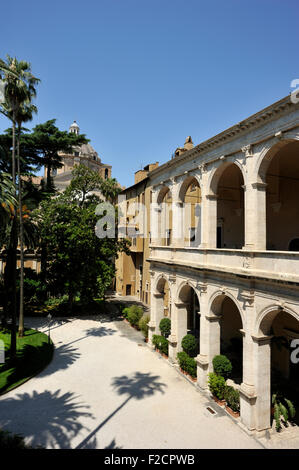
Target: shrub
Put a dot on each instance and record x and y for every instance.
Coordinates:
(216, 385)
(143, 325)
(232, 398)
(134, 314)
(189, 345)
(125, 312)
(187, 363)
(165, 327)
(222, 366)
(161, 343)
(285, 410)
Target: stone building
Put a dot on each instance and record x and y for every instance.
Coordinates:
(84, 154)
(228, 261)
(132, 270)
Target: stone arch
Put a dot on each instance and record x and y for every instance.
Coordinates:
(164, 216)
(278, 171)
(162, 193)
(229, 338)
(218, 171)
(183, 284)
(227, 205)
(266, 317)
(163, 290)
(185, 185)
(215, 304)
(189, 200)
(268, 152)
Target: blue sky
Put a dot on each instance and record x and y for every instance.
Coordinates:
(140, 76)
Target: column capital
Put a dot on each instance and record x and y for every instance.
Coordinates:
(212, 197)
(259, 186)
(261, 340)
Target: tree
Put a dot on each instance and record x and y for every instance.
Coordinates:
(84, 182)
(19, 87)
(49, 141)
(78, 262)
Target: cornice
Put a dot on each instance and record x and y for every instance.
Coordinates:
(261, 117)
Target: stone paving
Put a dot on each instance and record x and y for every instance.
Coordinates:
(106, 389)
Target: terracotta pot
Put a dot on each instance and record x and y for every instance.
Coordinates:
(220, 402)
(146, 340)
(235, 414)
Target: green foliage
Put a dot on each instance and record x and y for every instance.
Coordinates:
(232, 398)
(165, 327)
(222, 366)
(135, 313)
(75, 261)
(217, 385)
(125, 312)
(283, 408)
(189, 345)
(143, 325)
(161, 343)
(187, 363)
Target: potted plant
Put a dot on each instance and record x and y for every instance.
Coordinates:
(282, 408)
(217, 387)
(232, 398)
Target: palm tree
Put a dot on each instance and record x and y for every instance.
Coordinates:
(24, 114)
(19, 88)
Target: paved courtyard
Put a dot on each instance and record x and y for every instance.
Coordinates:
(106, 389)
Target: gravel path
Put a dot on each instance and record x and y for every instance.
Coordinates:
(106, 389)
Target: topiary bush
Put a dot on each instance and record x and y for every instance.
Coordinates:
(232, 398)
(125, 312)
(222, 366)
(134, 314)
(189, 345)
(161, 343)
(187, 363)
(143, 325)
(217, 385)
(165, 327)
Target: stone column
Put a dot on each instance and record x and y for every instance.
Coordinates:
(157, 313)
(255, 216)
(155, 223)
(209, 221)
(209, 347)
(247, 389)
(178, 223)
(262, 381)
(178, 329)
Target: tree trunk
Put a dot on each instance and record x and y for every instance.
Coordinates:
(21, 236)
(14, 246)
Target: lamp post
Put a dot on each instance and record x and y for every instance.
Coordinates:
(49, 317)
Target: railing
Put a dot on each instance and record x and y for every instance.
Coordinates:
(281, 265)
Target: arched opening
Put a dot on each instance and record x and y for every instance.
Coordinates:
(189, 299)
(294, 245)
(231, 339)
(283, 328)
(163, 288)
(230, 206)
(190, 195)
(282, 210)
(165, 217)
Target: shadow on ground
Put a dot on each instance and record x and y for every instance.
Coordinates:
(46, 419)
(139, 386)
